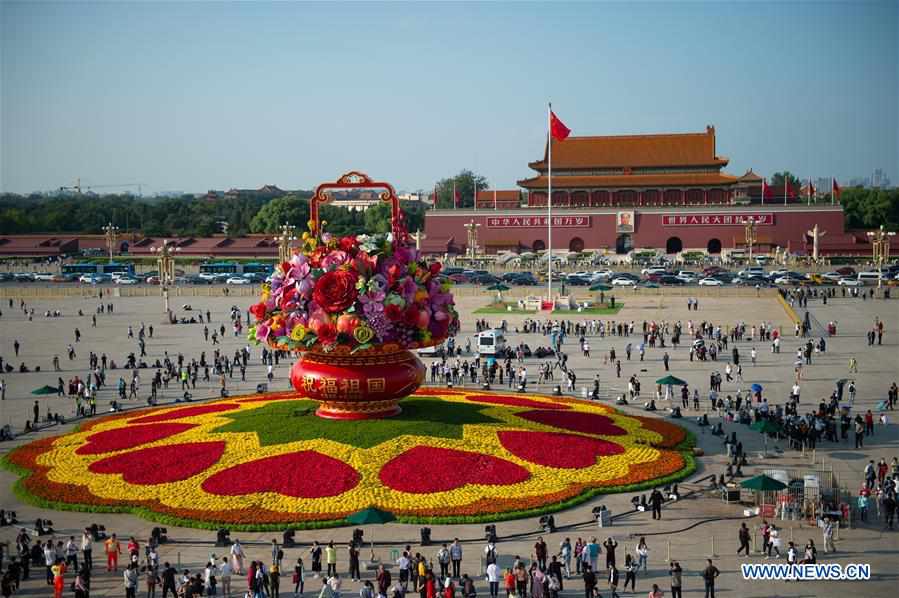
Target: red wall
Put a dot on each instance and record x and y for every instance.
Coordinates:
(790, 226)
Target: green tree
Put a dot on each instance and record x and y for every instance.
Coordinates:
(289, 208)
(777, 180)
(465, 183)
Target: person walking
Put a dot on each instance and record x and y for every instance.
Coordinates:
(589, 582)
(630, 573)
(676, 574)
(331, 559)
(655, 499)
(131, 578)
(113, 550)
(744, 539)
(642, 554)
(610, 546)
(299, 579)
(827, 531)
(225, 572)
(456, 557)
(492, 577)
(709, 575)
(613, 580)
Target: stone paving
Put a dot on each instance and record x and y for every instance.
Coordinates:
(691, 529)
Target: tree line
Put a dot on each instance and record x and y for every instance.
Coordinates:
(186, 215)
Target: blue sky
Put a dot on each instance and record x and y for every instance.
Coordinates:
(192, 96)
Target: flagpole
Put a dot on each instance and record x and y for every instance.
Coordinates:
(786, 187)
(549, 204)
(475, 198)
(494, 199)
(809, 198)
(833, 186)
(764, 184)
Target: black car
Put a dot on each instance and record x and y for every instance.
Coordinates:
(672, 280)
(524, 279)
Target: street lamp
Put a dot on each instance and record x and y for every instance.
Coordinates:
(284, 241)
(750, 235)
(112, 233)
(472, 228)
(880, 248)
(166, 264)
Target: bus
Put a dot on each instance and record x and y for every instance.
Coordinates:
(107, 268)
(236, 268)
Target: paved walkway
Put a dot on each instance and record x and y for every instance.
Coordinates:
(693, 528)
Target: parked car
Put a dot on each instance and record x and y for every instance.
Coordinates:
(458, 278)
(850, 282)
(846, 271)
(710, 282)
(671, 280)
(126, 280)
(43, 276)
(623, 282)
(832, 276)
(237, 280)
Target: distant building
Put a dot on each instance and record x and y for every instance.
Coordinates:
(490, 199)
(264, 192)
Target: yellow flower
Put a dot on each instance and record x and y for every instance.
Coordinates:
(363, 333)
(298, 333)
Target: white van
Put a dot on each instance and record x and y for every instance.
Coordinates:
(871, 277)
(491, 342)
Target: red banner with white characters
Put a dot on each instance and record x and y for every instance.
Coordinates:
(761, 219)
(537, 221)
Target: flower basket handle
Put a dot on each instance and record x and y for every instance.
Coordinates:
(359, 180)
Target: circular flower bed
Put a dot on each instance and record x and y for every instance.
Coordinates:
(266, 462)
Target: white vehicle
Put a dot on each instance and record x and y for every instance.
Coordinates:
(786, 280)
(602, 274)
(125, 280)
(868, 277)
(207, 275)
(751, 271)
(779, 272)
(580, 275)
(238, 280)
(491, 342)
(432, 351)
(761, 260)
(88, 279)
(832, 276)
(850, 282)
(710, 282)
(623, 282)
(653, 270)
(43, 276)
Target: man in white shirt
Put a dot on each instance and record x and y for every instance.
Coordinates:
(794, 392)
(87, 549)
(493, 575)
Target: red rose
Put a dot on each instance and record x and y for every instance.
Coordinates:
(347, 244)
(336, 290)
(393, 312)
(327, 333)
(258, 311)
(434, 268)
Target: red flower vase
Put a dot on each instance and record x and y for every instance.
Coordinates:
(364, 385)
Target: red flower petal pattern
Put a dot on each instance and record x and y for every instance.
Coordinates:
(129, 437)
(303, 474)
(515, 402)
(426, 469)
(185, 412)
(162, 464)
(586, 423)
(552, 449)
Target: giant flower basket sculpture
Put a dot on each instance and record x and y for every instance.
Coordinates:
(353, 308)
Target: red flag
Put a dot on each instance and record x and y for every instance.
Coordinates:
(835, 189)
(766, 190)
(557, 128)
(811, 188)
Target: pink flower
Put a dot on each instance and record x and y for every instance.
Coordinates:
(334, 259)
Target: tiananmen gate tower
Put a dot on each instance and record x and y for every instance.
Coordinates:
(660, 191)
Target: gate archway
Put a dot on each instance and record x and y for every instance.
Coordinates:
(674, 245)
(623, 244)
(576, 245)
(714, 246)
